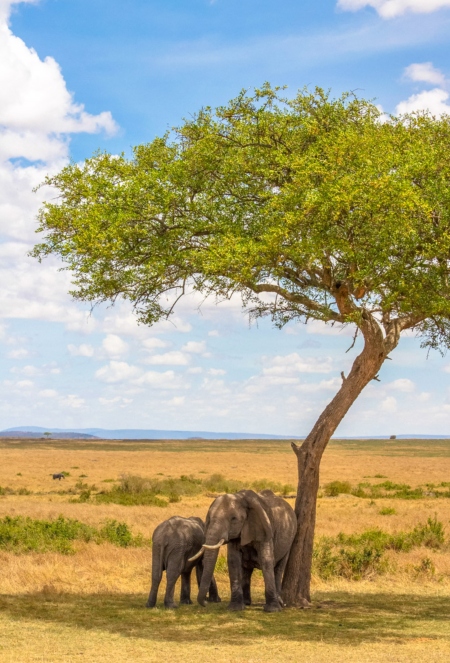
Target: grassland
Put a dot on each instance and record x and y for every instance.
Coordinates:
(89, 605)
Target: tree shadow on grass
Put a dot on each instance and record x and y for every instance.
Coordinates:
(342, 618)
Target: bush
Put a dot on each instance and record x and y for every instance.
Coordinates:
(360, 555)
(135, 490)
(336, 488)
(22, 534)
(387, 511)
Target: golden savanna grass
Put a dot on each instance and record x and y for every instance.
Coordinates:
(90, 605)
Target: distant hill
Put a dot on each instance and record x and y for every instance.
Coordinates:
(69, 435)
(135, 434)
(154, 434)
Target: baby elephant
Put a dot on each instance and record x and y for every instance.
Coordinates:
(174, 542)
(59, 476)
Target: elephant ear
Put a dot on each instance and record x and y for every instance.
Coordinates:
(257, 526)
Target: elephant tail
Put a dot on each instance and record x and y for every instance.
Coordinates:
(157, 571)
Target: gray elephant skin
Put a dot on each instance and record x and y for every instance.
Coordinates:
(259, 529)
(174, 541)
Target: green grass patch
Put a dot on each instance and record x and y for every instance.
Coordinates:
(135, 490)
(356, 556)
(21, 534)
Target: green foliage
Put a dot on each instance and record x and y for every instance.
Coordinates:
(22, 534)
(337, 488)
(134, 490)
(361, 555)
(387, 511)
(386, 489)
(312, 198)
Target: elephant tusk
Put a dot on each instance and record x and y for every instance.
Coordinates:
(221, 542)
(199, 554)
(205, 547)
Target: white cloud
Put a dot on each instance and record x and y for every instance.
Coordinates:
(389, 404)
(216, 371)
(166, 380)
(434, 101)
(24, 384)
(214, 332)
(174, 358)
(83, 350)
(196, 347)
(48, 393)
(117, 400)
(402, 384)
(117, 371)
(25, 370)
(176, 400)
(294, 363)
(152, 343)
(72, 400)
(425, 72)
(20, 353)
(114, 346)
(393, 8)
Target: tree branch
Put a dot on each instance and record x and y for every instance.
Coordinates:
(325, 312)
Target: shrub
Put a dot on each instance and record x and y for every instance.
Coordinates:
(359, 555)
(336, 488)
(23, 534)
(387, 511)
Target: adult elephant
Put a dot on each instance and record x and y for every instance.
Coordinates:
(259, 529)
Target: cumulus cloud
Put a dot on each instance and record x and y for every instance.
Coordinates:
(425, 72)
(152, 343)
(114, 346)
(196, 347)
(166, 380)
(117, 371)
(392, 8)
(294, 363)
(37, 116)
(73, 401)
(19, 353)
(435, 101)
(389, 404)
(83, 350)
(402, 384)
(174, 358)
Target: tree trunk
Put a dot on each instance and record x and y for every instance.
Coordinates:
(297, 577)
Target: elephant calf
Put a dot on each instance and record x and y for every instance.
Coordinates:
(59, 476)
(174, 542)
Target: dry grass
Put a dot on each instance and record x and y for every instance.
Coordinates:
(89, 606)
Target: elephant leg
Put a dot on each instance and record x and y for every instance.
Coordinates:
(279, 572)
(157, 570)
(185, 597)
(246, 582)
(173, 572)
(235, 573)
(267, 566)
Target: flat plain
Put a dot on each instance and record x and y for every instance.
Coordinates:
(89, 605)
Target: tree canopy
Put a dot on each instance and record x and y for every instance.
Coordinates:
(311, 199)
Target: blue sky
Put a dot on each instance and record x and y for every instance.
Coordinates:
(77, 76)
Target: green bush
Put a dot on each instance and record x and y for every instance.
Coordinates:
(336, 488)
(387, 511)
(22, 534)
(360, 555)
(135, 490)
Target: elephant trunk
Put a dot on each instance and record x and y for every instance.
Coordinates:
(209, 562)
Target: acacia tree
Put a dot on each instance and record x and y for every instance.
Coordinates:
(310, 208)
